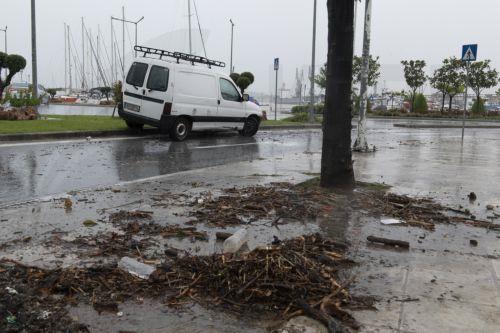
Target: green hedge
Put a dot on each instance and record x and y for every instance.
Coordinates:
(318, 109)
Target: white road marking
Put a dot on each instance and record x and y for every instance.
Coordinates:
(225, 146)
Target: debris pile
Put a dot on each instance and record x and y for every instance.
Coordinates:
(277, 200)
(298, 276)
(426, 213)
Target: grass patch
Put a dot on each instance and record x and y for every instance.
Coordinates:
(63, 124)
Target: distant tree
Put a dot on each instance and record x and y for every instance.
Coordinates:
(373, 73)
(449, 79)
(414, 76)
(243, 80)
(438, 82)
(481, 76)
(14, 64)
(52, 92)
(320, 79)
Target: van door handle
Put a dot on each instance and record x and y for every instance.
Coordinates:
(218, 102)
(143, 91)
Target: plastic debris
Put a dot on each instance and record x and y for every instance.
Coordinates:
(11, 291)
(236, 241)
(392, 221)
(135, 268)
(44, 315)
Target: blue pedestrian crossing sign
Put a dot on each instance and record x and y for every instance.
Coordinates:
(469, 52)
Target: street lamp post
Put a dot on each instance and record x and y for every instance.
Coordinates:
(232, 43)
(33, 50)
(123, 20)
(5, 33)
(313, 65)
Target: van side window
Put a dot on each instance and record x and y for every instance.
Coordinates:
(228, 91)
(137, 74)
(158, 78)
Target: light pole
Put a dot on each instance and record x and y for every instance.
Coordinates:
(361, 143)
(33, 50)
(123, 20)
(5, 32)
(232, 43)
(313, 64)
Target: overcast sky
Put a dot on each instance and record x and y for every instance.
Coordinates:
(265, 29)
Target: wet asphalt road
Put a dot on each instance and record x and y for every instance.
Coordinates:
(419, 161)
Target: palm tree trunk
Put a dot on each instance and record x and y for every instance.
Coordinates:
(442, 105)
(336, 161)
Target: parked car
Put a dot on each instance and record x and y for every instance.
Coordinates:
(179, 92)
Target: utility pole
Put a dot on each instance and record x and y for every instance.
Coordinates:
(361, 143)
(232, 44)
(189, 19)
(313, 65)
(34, 68)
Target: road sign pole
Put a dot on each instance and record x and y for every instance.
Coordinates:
(276, 98)
(469, 53)
(276, 69)
(465, 99)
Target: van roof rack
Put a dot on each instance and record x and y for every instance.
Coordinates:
(179, 56)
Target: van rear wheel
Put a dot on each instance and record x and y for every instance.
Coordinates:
(180, 129)
(250, 128)
(134, 126)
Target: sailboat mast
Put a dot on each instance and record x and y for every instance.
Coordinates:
(83, 55)
(65, 60)
(69, 62)
(189, 19)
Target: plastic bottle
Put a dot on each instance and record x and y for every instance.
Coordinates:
(236, 241)
(136, 268)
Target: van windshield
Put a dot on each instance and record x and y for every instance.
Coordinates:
(137, 74)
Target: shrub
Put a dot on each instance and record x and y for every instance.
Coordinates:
(478, 107)
(302, 117)
(318, 109)
(23, 99)
(420, 104)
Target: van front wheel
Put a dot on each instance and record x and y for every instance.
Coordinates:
(180, 129)
(250, 128)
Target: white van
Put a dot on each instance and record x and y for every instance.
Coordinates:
(177, 92)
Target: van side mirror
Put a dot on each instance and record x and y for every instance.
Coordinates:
(246, 97)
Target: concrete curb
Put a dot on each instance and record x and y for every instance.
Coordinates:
(423, 126)
(478, 120)
(107, 134)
